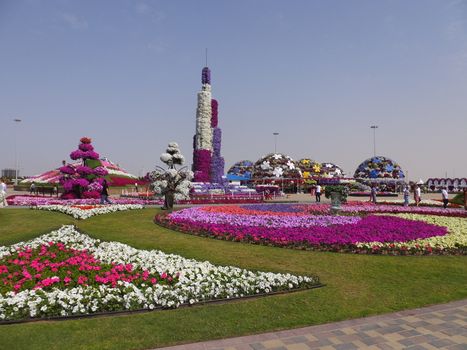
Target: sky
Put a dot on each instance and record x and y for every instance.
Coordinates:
(320, 73)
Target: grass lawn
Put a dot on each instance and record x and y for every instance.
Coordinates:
(356, 286)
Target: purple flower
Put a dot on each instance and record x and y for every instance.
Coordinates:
(85, 147)
(206, 76)
(201, 165)
(78, 154)
(214, 113)
(67, 169)
(84, 170)
(100, 171)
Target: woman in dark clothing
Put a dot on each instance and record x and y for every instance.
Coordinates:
(105, 193)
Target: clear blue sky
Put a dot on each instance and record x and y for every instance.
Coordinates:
(126, 74)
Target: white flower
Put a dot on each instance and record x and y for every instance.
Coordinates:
(166, 157)
(277, 156)
(278, 172)
(265, 165)
(291, 165)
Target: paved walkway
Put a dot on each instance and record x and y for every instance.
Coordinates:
(436, 327)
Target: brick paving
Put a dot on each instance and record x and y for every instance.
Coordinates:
(435, 327)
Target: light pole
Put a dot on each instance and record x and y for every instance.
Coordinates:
(275, 141)
(374, 127)
(17, 121)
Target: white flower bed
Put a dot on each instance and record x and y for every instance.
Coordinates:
(83, 214)
(198, 281)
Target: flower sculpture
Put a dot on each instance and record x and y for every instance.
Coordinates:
(331, 170)
(309, 168)
(83, 180)
(379, 168)
(243, 169)
(208, 164)
(172, 183)
(276, 166)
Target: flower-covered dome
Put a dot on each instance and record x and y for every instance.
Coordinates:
(276, 165)
(309, 167)
(379, 168)
(242, 169)
(331, 170)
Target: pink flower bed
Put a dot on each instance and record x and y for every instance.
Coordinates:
(54, 265)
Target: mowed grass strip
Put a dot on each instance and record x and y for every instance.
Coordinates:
(356, 286)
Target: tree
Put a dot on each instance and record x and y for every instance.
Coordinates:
(172, 183)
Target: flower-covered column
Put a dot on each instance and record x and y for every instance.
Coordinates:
(208, 165)
(203, 137)
(217, 161)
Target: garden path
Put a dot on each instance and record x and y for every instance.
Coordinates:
(436, 327)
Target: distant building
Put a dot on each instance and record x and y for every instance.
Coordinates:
(9, 173)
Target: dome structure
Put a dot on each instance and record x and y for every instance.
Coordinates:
(241, 170)
(379, 168)
(276, 166)
(331, 170)
(309, 168)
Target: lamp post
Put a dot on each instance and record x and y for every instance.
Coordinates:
(275, 141)
(374, 127)
(17, 121)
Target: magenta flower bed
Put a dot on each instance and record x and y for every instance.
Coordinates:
(293, 226)
(56, 265)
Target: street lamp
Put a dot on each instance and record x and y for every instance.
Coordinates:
(275, 141)
(374, 127)
(17, 121)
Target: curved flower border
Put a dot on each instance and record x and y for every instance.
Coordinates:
(454, 242)
(83, 213)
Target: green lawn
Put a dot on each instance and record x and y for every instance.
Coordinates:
(356, 286)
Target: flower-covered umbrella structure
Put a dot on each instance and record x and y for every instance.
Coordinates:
(381, 171)
(172, 183)
(276, 167)
(85, 180)
(240, 171)
(331, 170)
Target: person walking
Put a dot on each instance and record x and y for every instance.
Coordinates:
(445, 195)
(417, 195)
(3, 202)
(318, 193)
(105, 193)
(406, 196)
(373, 194)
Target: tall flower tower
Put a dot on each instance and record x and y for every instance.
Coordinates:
(208, 164)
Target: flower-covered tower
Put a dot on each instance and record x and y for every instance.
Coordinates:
(208, 164)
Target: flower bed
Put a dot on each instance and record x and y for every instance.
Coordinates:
(311, 227)
(39, 200)
(83, 212)
(66, 273)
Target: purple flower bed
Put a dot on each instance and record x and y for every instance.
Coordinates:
(287, 225)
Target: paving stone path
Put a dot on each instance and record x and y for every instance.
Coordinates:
(435, 327)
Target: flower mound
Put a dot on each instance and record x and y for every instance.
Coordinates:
(66, 273)
(83, 212)
(362, 230)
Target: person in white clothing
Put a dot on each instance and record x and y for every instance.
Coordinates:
(318, 193)
(445, 195)
(417, 195)
(3, 202)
